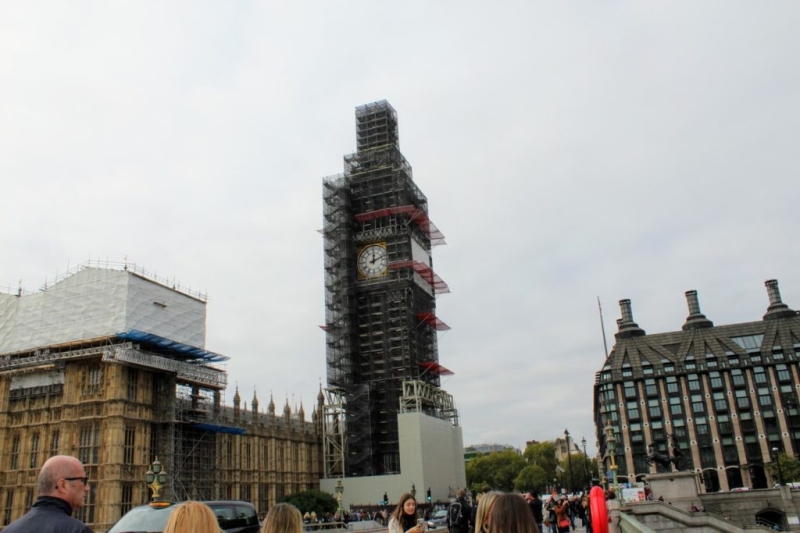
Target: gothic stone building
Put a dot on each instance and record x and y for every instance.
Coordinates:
(108, 365)
(727, 393)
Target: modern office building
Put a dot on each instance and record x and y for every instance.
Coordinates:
(380, 321)
(109, 365)
(727, 393)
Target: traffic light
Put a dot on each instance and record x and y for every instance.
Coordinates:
(429, 495)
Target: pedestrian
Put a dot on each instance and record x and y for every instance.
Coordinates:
(586, 517)
(404, 518)
(550, 521)
(62, 487)
(561, 510)
(535, 504)
(283, 518)
(483, 510)
(459, 514)
(192, 517)
(612, 504)
(510, 514)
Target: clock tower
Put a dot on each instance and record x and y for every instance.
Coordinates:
(380, 300)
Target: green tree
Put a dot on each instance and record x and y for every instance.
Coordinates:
(542, 454)
(498, 470)
(313, 501)
(790, 468)
(531, 479)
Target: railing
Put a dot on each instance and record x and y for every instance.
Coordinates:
(628, 524)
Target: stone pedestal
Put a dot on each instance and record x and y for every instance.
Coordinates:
(679, 489)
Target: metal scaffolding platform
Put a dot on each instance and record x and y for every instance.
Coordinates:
(380, 328)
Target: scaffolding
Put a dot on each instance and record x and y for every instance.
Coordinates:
(378, 330)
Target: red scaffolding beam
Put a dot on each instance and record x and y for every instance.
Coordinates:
(436, 368)
(425, 272)
(418, 216)
(432, 321)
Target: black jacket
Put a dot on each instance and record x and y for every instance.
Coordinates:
(536, 509)
(48, 515)
(466, 516)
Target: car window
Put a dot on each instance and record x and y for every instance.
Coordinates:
(143, 519)
(233, 516)
(247, 514)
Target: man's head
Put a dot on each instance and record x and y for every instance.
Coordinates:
(461, 493)
(63, 477)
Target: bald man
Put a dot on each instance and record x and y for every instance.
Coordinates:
(62, 487)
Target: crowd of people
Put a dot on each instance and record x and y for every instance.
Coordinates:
(62, 487)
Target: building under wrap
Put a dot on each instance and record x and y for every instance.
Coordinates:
(109, 365)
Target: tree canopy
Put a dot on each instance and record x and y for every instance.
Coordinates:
(313, 501)
(536, 469)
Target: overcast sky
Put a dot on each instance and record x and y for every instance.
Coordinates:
(569, 150)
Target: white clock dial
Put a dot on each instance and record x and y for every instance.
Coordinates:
(373, 261)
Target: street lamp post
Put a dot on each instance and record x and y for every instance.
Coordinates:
(156, 478)
(339, 490)
(776, 457)
(569, 462)
(414, 491)
(611, 447)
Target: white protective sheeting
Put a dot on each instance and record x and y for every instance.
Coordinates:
(98, 302)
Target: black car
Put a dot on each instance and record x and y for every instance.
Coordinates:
(233, 517)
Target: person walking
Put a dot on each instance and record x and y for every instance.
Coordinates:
(561, 510)
(535, 504)
(459, 514)
(613, 506)
(550, 520)
(62, 487)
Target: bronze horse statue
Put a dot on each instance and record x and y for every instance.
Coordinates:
(664, 462)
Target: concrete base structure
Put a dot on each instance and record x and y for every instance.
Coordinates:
(679, 489)
(431, 456)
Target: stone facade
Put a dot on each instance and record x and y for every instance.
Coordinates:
(117, 405)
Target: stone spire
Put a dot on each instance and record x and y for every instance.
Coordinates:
(271, 406)
(237, 400)
(301, 413)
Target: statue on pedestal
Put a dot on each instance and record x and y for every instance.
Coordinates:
(664, 462)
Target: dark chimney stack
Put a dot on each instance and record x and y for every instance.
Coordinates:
(696, 319)
(627, 327)
(776, 309)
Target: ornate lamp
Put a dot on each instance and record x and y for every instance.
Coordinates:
(611, 446)
(414, 491)
(156, 478)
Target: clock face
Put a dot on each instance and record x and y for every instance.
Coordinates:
(373, 261)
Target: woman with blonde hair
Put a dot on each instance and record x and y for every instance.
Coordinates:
(192, 517)
(484, 508)
(404, 518)
(283, 518)
(509, 513)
